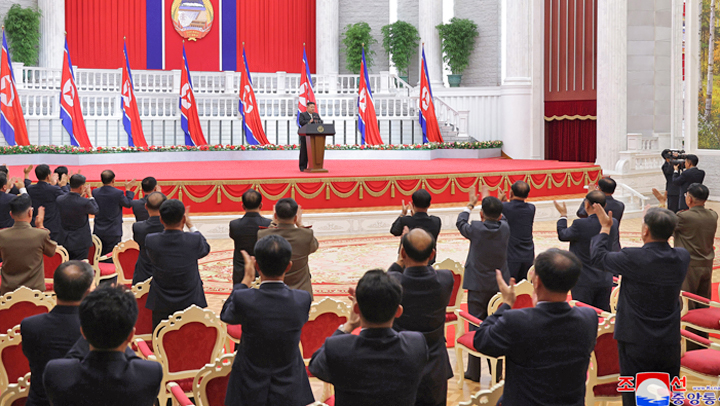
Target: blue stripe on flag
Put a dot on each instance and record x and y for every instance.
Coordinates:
(67, 123)
(7, 129)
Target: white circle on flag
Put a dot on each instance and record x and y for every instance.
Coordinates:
(301, 92)
(425, 98)
(247, 100)
(69, 93)
(126, 95)
(185, 96)
(363, 100)
(6, 91)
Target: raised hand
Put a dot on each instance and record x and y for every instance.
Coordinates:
(298, 217)
(473, 196)
(188, 222)
(404, 209)
(662, 197)
(249, 268)
(484, 191)
(63, 180)
(354, 319)
(53, 179)
(27, 170)
(86, 190)
(605, 219)
(507, 291)
(40, 218)
(130, 184)
(561, 208)
(502, 196)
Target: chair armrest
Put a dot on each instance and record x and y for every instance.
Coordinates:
(616, 279)
(145, 351)
(178, 394)
(698, 298)
(462, 314)
(106, 256)
(686, 335)
(600, 312)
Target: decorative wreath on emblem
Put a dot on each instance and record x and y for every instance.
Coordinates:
(192, 19)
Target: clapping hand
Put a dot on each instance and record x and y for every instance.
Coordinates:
(249, 276)
(188, 222)
(27, 170)
(354, 319)
(40, 218)
(53, 179)
(298, 217)
(662, 197)
(130, 184)
(507, 291)
(86, 190)
(561, 208)
(502, 196)
(473, 196)
(405, 208)
(605, 219)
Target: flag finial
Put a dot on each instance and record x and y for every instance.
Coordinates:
(124, 38)
(303, 42)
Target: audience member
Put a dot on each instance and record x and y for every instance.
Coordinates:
(690, 175)
(6, 197)
(379, 366)
(22, 248)
(144, 268)
(148, 186)
(12, 186)
(174, 253)
(268, 367)
(50, 336)
(547, 347)
(594, 285)
(418, 217)
(648, 314)
(63, 175)
(426, 294)
(606, 185)
(520, 217)
(106, 376)
(111, 200)
(288, 220)
(73, 209)
(671, 190)
(44, 194)
(244, 231)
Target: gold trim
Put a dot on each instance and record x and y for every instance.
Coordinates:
(566, 117)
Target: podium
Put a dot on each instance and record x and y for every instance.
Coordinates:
(316, 134)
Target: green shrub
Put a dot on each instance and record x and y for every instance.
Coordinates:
(401, 40)
(458, 41)
(354, 36)
(22, 26)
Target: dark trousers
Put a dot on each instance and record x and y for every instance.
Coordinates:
(646, 357)
(519, 269)
(303, 153)
(160, 315)
(598, 297)
(477, 306)
(673, 202)
(108, 244)
(78, 254)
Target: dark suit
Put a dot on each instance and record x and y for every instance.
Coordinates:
(431, 224)
(73, 210)
(81, 349)
(426, 294)
(106, 378)
(108, 222)
(268, 367)
(547, 349)
(176, 282)
(46, 337)
(685, 179)
(6, 220)
(144, 268)
(611, 205)
(45, 194)
(521, 249)
(376, 368)
(648, 313)
(139, 210)
(15, 191)
(303, 119)
(244, 232)
(673, 190)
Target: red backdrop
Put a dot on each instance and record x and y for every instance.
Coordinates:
(203, 54)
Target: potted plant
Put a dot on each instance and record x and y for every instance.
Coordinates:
(400, 39)
(23, 34)
(354, 37)
(458, 41)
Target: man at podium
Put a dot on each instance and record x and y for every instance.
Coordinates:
(310, 116)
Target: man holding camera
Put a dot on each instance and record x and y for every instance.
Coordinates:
(690, 175)
(668, 168)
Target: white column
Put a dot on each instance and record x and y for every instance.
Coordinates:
(430, 14)
(692, 74)
(515, 41)
(327, 37)
(676, 84)
(52, 33)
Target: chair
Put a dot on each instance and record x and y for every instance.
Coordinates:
(604, 369)
(456, 298)
(209, 385)
(706, 319)
(50, 264)
(125, 256)
(601, 313)
(103, 270)
(234, 331)
(16, 394)
(180, 361)
(615, 295)
(486, 397)
(464, 342)
(703, 364)
(523, 297)
(13, 364)
(21, 303)
(143, 325)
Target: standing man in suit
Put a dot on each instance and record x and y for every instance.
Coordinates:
(106, 376)
(244, 231)
(648, 315)
(379, 366)
(50, 336)
(14, 189)
(45, 193)
(268, 367)
(63, 176)
(690, 175)
(111, 200)
(520, 217)
(594, 285)
(418, 217)
(672, 190)
(547, 345)
(606, 185)
(488, 251)
(148, 186)
(426, 294)
(6, 220)
(73, 209)
(309, 116)
(144, 268)
(22, 248)
(288, 220)
(174, 253)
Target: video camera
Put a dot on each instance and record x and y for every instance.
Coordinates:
(676, 157)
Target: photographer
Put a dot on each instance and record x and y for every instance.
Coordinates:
(690, 175)
(668, 168)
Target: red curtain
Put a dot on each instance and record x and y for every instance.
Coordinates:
(571, 138)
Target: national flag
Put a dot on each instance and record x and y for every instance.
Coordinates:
(305, 93)
(254, 132)
(428, 119)
(367, 119)
(70, 110)
(189, 120)
(12, 121)
(131, 116)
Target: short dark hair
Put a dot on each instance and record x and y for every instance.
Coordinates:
(251, 199)
(286, 208)
(20, 204)
(148, 184)
(596, 196)
(273, 254)
(72, 279)
(77, 181)
(172, 212)
(421, 199)
(692, 158)
(697, 190)
(3, 179)
(417, 253)
(558, 270)
(62, 170)
(520, 189)
(107, 316)
(378, 296)
(107, 176)
(42, 171)
(154, 200)
(607, 185)
(309, 103)
(492, 207)
(660, 222)
(4, 169)
(666, 153)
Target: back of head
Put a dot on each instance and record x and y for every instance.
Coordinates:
(155, 200)
(666, 154)
(692, 158)
(252, 199)
(77, 181)
(172, 212)
(42, 171)
(4, 169)
(3, 180)
(421, 199)
(558, 270)
(698, 191)
(72, 279)
(661, 223)
(520, 189)
(148, 184)
(61, 170)
(286, 209)
(492, 208)
(273, 254)
(107, 177)
(20, 204)
(596, 196)
(378, 296)
(418, 244)
(107, 317)
(607, 185)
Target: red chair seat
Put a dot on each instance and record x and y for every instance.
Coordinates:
(49, 286)
(606, 389)
(106, 268)
(450, 317)
(703, 361)
(234, 331)
(467, 340)
(707, 318)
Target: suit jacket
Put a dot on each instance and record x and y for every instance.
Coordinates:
(488, 252)
(111, 201)
(15, 191)
(696, 233)
(144, 268)
(176, 278)
(668, 171)
(106, 378)
(426, 294)
(268, 367)
(139, 210)
(579, 234)
(544, 346)
(303, 244)
(22, 248)
(46, 337)
(685, 179)
(376, 368)
(611, 205)
(6, 220)
(431, 224)
(305, 118)
(81, 349)
(520, 217)
(73, 210)
(45, 195)
(649, 305)
(244, 232)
